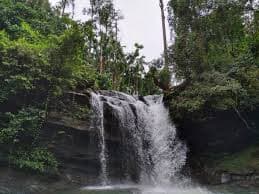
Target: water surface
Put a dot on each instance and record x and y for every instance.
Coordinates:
(131, 189)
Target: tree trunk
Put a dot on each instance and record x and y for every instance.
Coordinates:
(101, 61)
(161, 3)
(64, 3)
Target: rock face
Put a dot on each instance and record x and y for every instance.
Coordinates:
(75, 143)
(225, 132)
(76, 151)
(212, 177)
(17, 182)
(210, 141)
(125, 139)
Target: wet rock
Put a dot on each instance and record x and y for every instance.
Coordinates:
(118, 95)
(57, 118)
(36, 188)
(225, 178)
(75, 142)
(4, 190)
(223, 133)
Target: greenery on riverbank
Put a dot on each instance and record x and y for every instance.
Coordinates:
(216, 54)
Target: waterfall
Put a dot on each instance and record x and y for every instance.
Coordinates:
(149, 139)
(168, 153)
(97, 107)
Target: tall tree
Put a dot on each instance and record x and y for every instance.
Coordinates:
(216, 54)
(162, 7)
(104, 19)
(64, 4)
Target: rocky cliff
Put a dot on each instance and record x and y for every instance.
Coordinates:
(223, 148)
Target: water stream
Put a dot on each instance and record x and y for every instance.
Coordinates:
(152, 138)
(122, 189)
(97, 107)
(149, 137)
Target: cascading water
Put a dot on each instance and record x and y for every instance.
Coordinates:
(97, 107)
(149, 151)
(167, 152)
(148, 136)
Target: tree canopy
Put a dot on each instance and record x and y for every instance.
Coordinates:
(44, 54)
(216, 56)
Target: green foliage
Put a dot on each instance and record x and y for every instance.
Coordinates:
(43, 65)
(148, 85)
(104, 82)
(118, 70)
(68, 106)
(22, 128)
(217, 92)
(69, 69)
(80, 112)
(19, 136)
(165, 77)
(41, 18)
(216, 56)
(43, 56)
(22, 67)
(38, 160)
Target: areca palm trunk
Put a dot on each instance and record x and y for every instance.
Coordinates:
(161, 3)
(63, 5)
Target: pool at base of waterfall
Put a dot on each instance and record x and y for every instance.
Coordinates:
(137, 189)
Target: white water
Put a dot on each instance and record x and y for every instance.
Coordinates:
(141, 189)
(160, 155)
(167, 152)
(97, 106)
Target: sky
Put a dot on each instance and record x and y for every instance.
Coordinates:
(141, 24)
